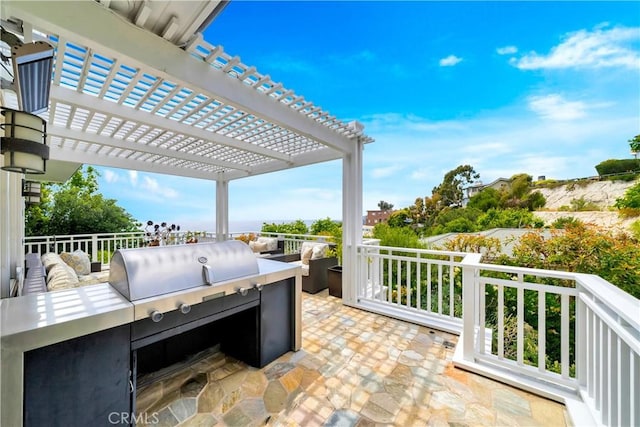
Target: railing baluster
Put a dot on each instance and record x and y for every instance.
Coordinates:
(542, 328)
(418, 282)
(429, 286)
(598, 364)
(520, 321)
(408, 283)
(439, 288)
(482, 322)
(451, 288)
(612, 373)
(389, 279)
(564, 336)
(500, 322)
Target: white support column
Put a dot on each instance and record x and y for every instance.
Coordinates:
(351, 220)
(222, 209)
(11, 228)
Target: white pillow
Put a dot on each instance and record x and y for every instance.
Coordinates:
(319, 251)
(306, 253)
(258, 246)
(271, 242)
(61, 276)
(50, 259)
(78, 260)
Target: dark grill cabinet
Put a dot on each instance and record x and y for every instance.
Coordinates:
(80, 382)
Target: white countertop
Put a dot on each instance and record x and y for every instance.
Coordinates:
(34, 320)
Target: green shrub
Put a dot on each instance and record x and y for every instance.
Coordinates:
(401, 237)
(631, 198)
(295, 227)
(325, 226)
(582, 205)
(612, 166)
(508, 218)
(564, 222)
(635, 229)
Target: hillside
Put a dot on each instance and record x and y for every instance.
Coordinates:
(602, 194)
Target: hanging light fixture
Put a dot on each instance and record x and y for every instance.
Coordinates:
(24, 144)
(32, 67)
(31, 192)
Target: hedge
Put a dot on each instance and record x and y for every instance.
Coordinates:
(612, 166)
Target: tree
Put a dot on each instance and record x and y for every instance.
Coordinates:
(385, 206)
(325, 227)
(76, 207)
(635, 146)
(485, 199)
(451, 188)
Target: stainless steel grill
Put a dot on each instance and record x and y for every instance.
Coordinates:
(161, 279)
(148, 272)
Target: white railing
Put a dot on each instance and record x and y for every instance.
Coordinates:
(424, 284)
(101, 246)
(567, 336)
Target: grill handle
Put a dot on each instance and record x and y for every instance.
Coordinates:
(207, 274)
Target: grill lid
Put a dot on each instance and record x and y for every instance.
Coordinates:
(147, 272)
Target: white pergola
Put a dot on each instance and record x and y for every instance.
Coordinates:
(135, 86)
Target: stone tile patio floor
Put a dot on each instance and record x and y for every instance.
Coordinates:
(354, 369)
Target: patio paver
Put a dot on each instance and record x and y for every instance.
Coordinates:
(354, 369)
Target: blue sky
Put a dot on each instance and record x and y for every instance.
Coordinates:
(544, 88)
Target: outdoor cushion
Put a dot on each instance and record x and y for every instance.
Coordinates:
(258, 246)
(312, 250)
(78, 260)
(61, 276)
(305, 267)
(50, 259)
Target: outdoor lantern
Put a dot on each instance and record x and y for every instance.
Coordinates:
(24, 142)
(32, 65)
(31, 192)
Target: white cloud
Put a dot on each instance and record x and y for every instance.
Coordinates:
(555, 107)
(599, 48)
(507, 50)
(450, 61)
(133, 178)
(110, 176)
(152, 186)
(386, 171)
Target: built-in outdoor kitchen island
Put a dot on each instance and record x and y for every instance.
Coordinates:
(72, 357)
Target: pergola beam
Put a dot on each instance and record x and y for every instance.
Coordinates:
(109, 34)
(92, 103)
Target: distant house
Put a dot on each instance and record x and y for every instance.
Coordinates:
(375, 217)
(499, 184)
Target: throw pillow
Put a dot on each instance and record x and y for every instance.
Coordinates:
(258, 246)
(305, 256)
(78, 260)
(319, 251)
(61, 276)
(50, 259)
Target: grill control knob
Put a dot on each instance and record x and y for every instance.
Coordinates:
(184, 308)
(258, 286)
(243, 291)
(156, 316)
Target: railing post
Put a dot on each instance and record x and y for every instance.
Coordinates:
(469, 305)
(94, 248)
